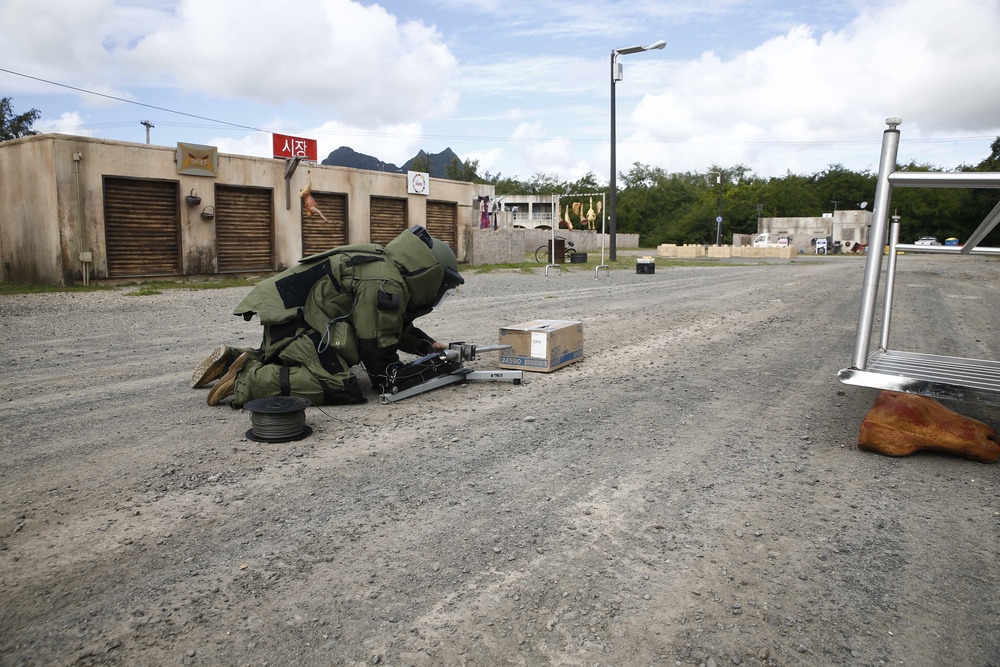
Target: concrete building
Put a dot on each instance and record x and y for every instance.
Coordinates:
(74, 209)
(845, 228)
(542, 211)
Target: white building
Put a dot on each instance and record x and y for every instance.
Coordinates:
(846, 228)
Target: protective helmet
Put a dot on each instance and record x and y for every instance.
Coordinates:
(446, 258)
(452, 278)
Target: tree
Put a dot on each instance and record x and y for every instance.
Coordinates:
(15, 126)
(979, 203)
(457, 170)
(422, 162)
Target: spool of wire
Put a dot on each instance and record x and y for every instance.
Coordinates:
(278, 419)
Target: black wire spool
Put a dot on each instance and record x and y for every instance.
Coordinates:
(278, 419)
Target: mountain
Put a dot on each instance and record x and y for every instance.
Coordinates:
(438, 161)
(348, 157)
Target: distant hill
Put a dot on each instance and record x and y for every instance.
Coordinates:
(348, 157)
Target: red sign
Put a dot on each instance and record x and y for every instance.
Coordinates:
(289, 147)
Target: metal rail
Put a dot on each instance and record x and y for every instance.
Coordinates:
(926, 374)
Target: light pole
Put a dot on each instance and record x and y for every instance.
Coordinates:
(616, 75)
(718, 217)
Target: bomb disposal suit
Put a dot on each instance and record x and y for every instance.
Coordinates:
(353, 304)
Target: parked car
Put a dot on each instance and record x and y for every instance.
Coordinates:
(951, 241)
(928, 240)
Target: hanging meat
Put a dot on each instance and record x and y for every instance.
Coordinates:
(308, 203)
(900, 424)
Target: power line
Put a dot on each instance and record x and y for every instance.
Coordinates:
(141, 104)
(507, 139)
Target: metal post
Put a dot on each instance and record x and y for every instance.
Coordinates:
(718, 219)
(552, 238)
(876, 244)
(615, 76)
(602, 265)
(613, 189)
(890, 282)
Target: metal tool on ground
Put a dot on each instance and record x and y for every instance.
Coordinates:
(442, 368)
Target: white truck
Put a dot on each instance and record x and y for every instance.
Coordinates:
(768, 240)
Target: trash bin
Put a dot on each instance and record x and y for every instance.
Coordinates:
(559, 256)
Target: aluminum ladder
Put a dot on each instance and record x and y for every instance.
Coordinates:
(937, 376)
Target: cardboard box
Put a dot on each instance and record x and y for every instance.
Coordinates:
(541, 345)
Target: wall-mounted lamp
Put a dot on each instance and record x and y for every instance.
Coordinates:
(193, 199)
(208, 212)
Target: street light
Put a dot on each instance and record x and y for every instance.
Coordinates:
(718, 217)
(616, 75)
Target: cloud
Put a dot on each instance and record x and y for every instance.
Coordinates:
(777, 85)
(353, 62)
(68, 123)
(801, 94)
(356, 62)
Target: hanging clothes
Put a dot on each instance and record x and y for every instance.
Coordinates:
(484, 212)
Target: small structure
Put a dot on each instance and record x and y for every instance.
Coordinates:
(78, 208)
(841, 229)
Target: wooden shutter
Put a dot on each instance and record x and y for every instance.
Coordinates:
(442, 221)
(244, 229)
(142, 227)
(320, 235)
(388, 219)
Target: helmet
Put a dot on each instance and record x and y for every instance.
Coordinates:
(446, 258)
(452, 279)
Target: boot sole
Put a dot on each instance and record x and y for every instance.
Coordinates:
(211, 368)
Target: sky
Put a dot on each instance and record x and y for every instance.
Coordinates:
(523, 88)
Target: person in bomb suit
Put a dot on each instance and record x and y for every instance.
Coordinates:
(352, 304)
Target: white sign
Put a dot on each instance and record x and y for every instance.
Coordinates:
(538, 344)
(418, 183)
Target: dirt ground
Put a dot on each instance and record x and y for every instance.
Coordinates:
(690, 493)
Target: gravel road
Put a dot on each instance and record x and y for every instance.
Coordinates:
(690, 493)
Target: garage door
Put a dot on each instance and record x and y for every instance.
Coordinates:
(141, 227)
(319, 235)
(388, 219)
(244, 229)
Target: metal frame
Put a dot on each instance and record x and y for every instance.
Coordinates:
(932, 375)
(556, 203)
(462, 375)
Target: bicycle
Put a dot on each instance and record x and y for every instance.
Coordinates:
(542, 252)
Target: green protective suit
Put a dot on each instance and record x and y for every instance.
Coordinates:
(353, 304)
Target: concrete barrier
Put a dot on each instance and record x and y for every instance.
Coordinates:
(680, 251)
(723, 252)
(503, 246)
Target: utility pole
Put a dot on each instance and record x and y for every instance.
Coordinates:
(149, 126)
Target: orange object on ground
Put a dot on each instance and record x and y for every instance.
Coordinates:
(900, 424)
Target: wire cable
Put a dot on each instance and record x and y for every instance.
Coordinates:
(278, 427)
(141, 104)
